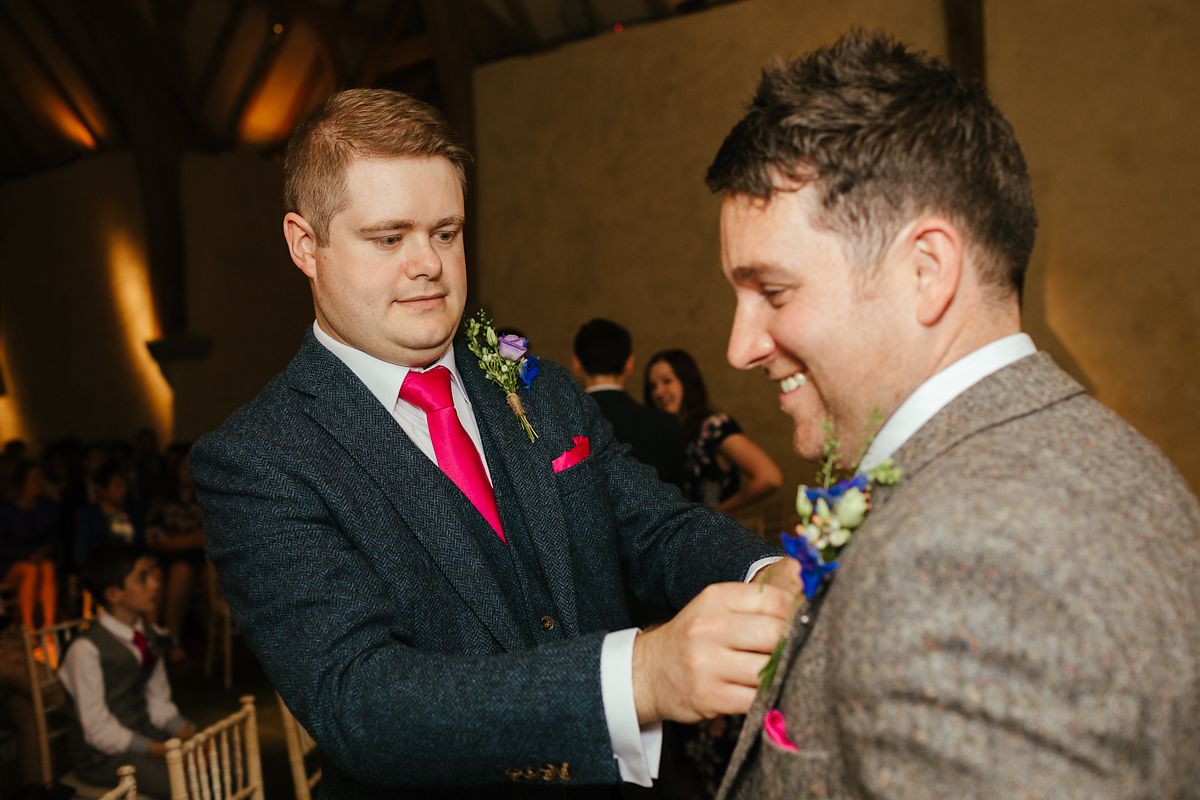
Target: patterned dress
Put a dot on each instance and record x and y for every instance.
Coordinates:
(709, 745)
(705, 480)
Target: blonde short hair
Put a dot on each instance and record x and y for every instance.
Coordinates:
(359, 123)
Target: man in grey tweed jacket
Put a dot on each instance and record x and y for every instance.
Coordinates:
(434, 644)
(1019, 617)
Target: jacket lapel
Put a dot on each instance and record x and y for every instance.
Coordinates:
(428, 501)
(527, 465)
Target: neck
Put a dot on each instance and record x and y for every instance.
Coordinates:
(599, 380)
(983, 322)
(122, 615)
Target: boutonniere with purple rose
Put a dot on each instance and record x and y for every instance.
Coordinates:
(504, 362)
(830, 513)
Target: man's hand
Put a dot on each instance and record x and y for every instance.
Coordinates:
(705, 661)
(784, 574)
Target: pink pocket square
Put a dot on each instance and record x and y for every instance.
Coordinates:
(581, 450)
(775, 729)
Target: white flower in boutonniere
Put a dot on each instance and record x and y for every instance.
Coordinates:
(829, 516)
(504, 362)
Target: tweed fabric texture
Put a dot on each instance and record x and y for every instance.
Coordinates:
(361, 578)
(1017, 618)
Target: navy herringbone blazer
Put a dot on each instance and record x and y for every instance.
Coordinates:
(368, 586)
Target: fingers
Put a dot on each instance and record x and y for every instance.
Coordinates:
(746, 598)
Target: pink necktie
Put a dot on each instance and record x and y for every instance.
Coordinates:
(456, 453)
(143, 647)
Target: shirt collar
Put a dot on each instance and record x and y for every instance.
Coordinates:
(605, 387)
(936, 393)
(383, 378)
(116, 627)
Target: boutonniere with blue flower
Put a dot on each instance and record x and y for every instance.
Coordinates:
(504, 362)
(830, 513)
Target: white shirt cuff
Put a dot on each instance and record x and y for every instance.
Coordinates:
(638, 750)
(759, 566)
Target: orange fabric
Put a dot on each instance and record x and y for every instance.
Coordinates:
(34, 582)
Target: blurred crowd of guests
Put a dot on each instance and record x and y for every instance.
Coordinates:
(59, 506)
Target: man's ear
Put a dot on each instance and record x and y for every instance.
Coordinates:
(577, 367)
(301, 242)
(627, 371)
(937, 250)
(111, 595)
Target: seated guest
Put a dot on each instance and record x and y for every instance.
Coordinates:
(107, 519)
(603, 363)
(175, 534)
(114, 675)
(28, 527)
(16, 704)
(723, 468)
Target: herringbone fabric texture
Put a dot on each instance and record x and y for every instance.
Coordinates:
(1018, 618)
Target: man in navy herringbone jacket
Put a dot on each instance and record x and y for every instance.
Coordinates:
(438, 598)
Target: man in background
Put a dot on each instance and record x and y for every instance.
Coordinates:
(603, 364)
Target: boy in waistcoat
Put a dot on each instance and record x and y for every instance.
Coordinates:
(116, 680)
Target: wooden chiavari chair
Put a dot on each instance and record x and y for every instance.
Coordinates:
(221, 762)
(300, 745)
(44, 649)
(126, 789)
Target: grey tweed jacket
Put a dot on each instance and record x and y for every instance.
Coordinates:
(1018, 618)
(369, 587)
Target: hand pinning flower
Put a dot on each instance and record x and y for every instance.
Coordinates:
(503, 361)
(829, 515)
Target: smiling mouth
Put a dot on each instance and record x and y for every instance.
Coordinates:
(793, 382)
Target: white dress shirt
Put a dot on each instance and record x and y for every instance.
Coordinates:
(83, 678)
(936, 393)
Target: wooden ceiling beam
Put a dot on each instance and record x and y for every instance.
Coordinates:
(413, 50)
(36, 58)
(82, 51)
(202, 88)
(365, 72)
(321, 17)
(965, 43)
(264, 59)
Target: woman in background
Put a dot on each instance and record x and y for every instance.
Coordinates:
(723, 468)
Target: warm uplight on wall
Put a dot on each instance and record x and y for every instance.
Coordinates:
(11, 425)
(129, 278)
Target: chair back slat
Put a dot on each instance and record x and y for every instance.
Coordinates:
(226, 773)
(126, 788)
(299, 745)
(222, 761)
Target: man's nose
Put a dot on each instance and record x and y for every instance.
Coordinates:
(423, 260)
(749, 343)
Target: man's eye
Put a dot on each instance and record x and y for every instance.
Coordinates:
(388, 241)
(446, 237)
(772, 294)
